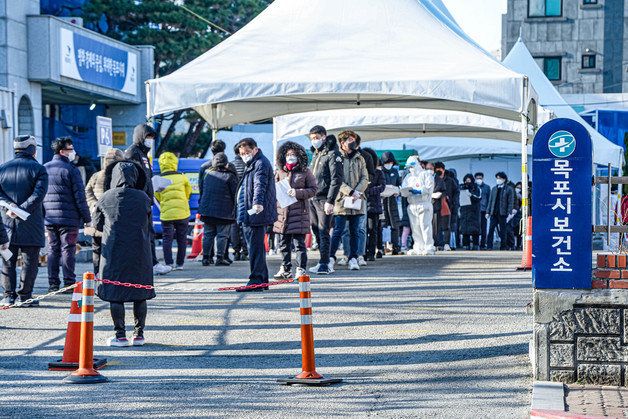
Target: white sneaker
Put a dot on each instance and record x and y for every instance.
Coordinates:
(330, 265)
(343, 261)
(283, 274)
(138, 341)
(413, 252)
(299, 272)
(314, 268)
(361, 261)
(430, 252)
(116, 341)
(353, 265)
(161, 269)
(446, 248)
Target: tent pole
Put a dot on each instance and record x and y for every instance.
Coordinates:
(214, 134)
(524, 165)
(275, 143)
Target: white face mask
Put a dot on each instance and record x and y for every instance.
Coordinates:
(72, 155)
(518, 190)
(148, 142)
(246, 157)
(291, 159)
(479, 181)
(388, 166)
(499, 181)
(317, 144)
(430, 171)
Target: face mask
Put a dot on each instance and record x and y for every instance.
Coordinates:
(291, 159)
(388, 166)
(148, 142)
(479, 181)
(72, 155)
(246, 158)
(518, 190)
(430, 171)
(352, 146)
(499, 181)
(317, 144)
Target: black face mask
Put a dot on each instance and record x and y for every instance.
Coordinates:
(353, 146)
(439, 172)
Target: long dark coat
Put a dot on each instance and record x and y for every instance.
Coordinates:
(391, 209)
(123, 214)
(295, 219)
(470, 222)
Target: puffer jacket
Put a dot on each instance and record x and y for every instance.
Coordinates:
(326, 166)
(219, 199)
(506, 200)
(390, 207)
(295, 219)
(258, 188)
(24, 182)
(356, 178)
(207, 166)
(239, 166)
(470, 222)
(138, 152)
(175, 199)
(96, 185)
(374, 193)
(65, 203)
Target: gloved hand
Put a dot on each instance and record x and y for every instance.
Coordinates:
(416, 192)
(329, 208)
(514, 212)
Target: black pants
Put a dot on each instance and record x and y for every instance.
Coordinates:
(30, 267)
(372, 233)
(441, 224)
(237, 239)
(219, 232)
(499, 222)
(170, 230)
(257, 254)
(139, 313)
(151, 233)
(285, 246)
(322, 223)
(466, 239)
(62, 254)
(96, 249)
(483, 231)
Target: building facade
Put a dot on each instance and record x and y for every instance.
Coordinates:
(580, 44)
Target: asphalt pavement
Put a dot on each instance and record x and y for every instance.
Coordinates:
(433, 336)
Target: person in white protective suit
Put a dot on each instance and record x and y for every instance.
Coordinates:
(418, 187)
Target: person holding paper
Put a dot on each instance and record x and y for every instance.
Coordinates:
(23, 184)
(293, 221)
(390, 207)
(417, 188)
(257, 208)
(470, 204)
(350, 203)
(501, 209)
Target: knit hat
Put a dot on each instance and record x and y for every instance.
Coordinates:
(24, 141)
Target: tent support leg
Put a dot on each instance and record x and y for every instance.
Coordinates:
(275, 143)
(524, 167)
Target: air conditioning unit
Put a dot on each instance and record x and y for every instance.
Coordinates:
(78, 21)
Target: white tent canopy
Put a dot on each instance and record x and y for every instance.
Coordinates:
(519, 59)
(301, 56)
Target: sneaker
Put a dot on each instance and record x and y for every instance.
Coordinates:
(229, 261)
(314, 269)
(161, 269)
(370, 259)
(222, 262)
(53, 288)
(330, 266)
(379, 254)
(324, 270)
(343, 261)
(299, 273)
(116, 341)
(413, 252)
(354, 265)
(272, 252)
(6, 301)
(283, 274)
(207, 262)
(361, 261)
(446, 248)
(138, 341)
(236, 256)
(179, 268)
(430, 252)
(31, 304)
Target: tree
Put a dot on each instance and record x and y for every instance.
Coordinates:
(177, 35)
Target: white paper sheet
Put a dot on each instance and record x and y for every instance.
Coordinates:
(465, 198)
(282, 187)
(349, 204)
(390, 191)
(160, 183)
(16, 210)
(6, 254)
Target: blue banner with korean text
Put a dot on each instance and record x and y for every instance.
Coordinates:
(561, 206)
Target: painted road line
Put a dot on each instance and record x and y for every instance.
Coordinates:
(426, 308)
(408, 331)
(199, 322)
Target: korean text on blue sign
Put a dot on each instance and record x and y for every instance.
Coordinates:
(561, 206)
(97, 63)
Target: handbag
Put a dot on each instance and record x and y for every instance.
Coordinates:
(444, 209)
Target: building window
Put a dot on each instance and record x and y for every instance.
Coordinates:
(589, 1)
(588, 61)
(551, 67)
(545, 8)
(25, 117)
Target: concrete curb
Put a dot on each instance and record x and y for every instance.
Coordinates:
(548, 400)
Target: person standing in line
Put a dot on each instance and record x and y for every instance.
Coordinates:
(257, 208)
(217, 208)
(515, 223)
(240, 251)
(390, 207)
(438, 196)
(143, 140)
(293, 221)
(66, 211)
(470, 213)
(374, 207)
(455, 208)
(326, 166)
(93, 191)
(175, 209)
(124, 214)
(486, 194)
(23, 184)
(444, 216)
(501, 206)
(355, 182)
(417, 188)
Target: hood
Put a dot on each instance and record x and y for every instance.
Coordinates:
(168, 162)
(112, 155)
(388, 157)
(140, 133)
(140, 181)
(373, 154)
(298, 149)
(124, 175)
(468, 176)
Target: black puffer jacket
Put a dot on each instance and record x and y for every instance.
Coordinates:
(24, 182)
(123, 214)
(392, 177)
(138, 152)
(239, 167)
(374, 193)
(207, 166)
(470, 222)
(326, 166)
(220, 186)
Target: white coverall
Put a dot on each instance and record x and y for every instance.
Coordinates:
(420, 209)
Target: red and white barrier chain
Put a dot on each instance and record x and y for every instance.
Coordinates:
(41, 297)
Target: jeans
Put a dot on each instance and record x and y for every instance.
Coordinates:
(170, 230)
(139, 313)
(220, 232)
(30, 267)
(62, 241)
(257, 254)
(237, 239)
(499, 222)
(373, 234)
(361, 238)
(340, 222)
(285, 246)
(321, 224)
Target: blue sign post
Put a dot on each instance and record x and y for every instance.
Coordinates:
(561, 206)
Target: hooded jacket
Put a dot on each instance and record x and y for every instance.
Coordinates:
(392, 177)
(123, 214)
(96, 185)
(138, 152)
(326, 166)
(175, 199)
(355, 178)
(220, 184)
(295, 219)
(65, 203)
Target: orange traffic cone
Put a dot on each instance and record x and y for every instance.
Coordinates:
(526, 258)
(308, 376)
(197, 238)
(86, 374)
(70, 359)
